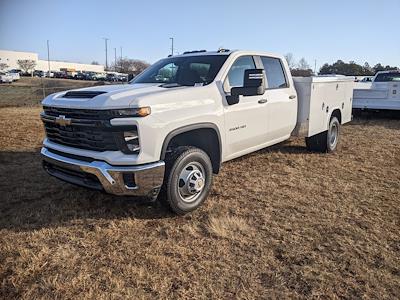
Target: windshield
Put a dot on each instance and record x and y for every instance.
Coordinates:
(385, 77)
(183, 70)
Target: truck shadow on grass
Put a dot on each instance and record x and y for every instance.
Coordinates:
(31, 199)
(385, 118)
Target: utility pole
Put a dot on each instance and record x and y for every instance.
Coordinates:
(106, 40)
(115, 59)
(48, 56)
(172, 45)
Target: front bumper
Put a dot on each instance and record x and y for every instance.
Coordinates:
(141, 180)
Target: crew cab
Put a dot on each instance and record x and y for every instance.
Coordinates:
(173, 125)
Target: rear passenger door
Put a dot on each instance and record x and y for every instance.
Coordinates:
(282, 101)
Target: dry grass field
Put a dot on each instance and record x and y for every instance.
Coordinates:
(279, 223)
(30, 91)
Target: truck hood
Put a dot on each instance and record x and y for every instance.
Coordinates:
(111, 97)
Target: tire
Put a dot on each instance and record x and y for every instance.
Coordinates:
(188, 179)
(326, 141)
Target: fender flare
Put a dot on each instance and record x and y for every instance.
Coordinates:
(187, 128)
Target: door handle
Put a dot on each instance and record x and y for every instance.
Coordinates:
(262, 101)
(292, 96)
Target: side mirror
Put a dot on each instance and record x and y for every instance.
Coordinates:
(253, 85)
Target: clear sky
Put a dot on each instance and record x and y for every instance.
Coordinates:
(359, 30)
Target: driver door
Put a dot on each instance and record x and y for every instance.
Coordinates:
(246, 121)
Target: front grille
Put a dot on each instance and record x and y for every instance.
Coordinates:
(78, 113)
(86, 129)
(82, 137)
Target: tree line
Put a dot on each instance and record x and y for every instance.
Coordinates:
(352, 68)
(302, 68)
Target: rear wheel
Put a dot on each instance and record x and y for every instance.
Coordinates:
(326, 141)
(188, 179)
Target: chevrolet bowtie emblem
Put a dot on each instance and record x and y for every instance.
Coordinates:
(63, 121)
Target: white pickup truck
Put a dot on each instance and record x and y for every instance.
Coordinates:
(173, 125)
(383, 94)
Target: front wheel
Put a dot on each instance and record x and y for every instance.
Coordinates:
(326, 141)
(188, 179)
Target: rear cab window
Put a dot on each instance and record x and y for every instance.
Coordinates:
(274, 71)
(388, 77)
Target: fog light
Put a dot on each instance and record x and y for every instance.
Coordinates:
(132, 141)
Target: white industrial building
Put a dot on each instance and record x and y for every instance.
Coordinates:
(11, 59)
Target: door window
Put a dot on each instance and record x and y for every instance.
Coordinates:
(236, 72)
(274, 71)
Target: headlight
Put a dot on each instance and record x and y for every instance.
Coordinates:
(132, 140)
(132, 112)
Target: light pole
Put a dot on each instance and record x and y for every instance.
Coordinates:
(48, 56)
(315, 67)
(172, 45)
(120, 60)
(106, 40)
(115, 59)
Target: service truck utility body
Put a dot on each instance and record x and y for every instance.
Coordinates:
(175, 123)
(383, 94)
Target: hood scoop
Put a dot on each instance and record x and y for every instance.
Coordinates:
(83, 94)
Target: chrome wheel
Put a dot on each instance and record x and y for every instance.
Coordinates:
(191, 182)
(333, 136)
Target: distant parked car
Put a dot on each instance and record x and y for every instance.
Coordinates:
(99, 76)
(112, 77)
(38, 73)
(16, 71)
(48, 74)
(5, 78)
(367, 79)
(15, 76)
(80, 76)
(122, 77)
(59, 75)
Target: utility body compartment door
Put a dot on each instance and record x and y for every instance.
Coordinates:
(318, 98)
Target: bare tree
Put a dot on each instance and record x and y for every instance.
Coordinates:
(3, 66)
(290, 60)
(303, 64)
(26, 65)
(139, 66)
(95, 63)
(130, 66)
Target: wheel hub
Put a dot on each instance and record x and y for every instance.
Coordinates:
(334, 133)
(191, 182)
